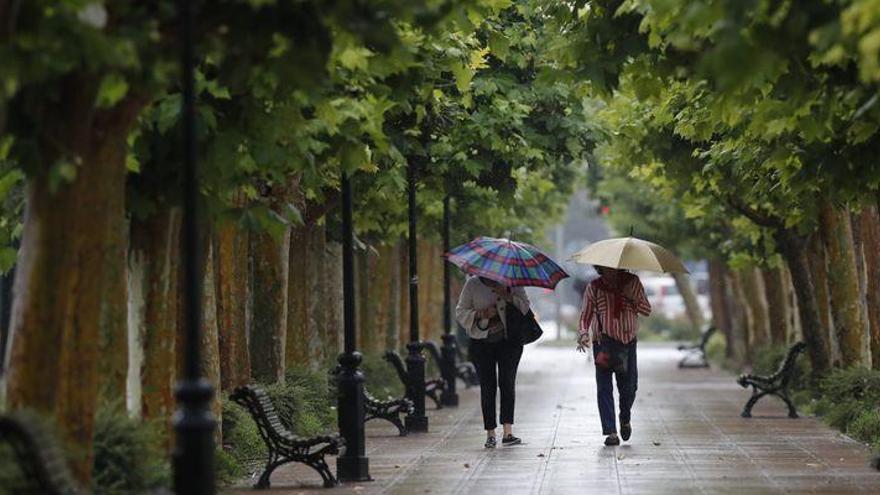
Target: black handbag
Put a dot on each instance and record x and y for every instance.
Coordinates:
(521, 328)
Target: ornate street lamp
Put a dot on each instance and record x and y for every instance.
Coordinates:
(416, 421)
(193, 421)
(449, 351)
(353, 464)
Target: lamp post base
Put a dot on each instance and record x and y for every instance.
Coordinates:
(416, 421)
(352, 465)
(449, 372)
(418, 424)
(353, 468)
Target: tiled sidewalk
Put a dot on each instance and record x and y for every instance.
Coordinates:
(688, 438)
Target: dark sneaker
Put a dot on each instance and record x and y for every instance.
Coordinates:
(511, 440)
(612, 440)
(625, 432)
(490, 443)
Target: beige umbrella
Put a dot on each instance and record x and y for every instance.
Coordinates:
(630, 253)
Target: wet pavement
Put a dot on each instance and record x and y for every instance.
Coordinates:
(687, 438)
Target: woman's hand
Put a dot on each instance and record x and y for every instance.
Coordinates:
(583, 343)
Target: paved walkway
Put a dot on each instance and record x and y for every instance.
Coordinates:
(688, 438)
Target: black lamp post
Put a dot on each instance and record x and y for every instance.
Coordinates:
(449, 351)
(193, 421)
(415, 362)
(352, 465)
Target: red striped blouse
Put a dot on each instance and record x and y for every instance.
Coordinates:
(598, 301)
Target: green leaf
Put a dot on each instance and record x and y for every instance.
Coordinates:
(112, 90)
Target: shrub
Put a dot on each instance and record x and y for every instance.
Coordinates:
(241, 440)
(12, 478)
(866, 427)
(716, 349)
(130, 456)
(382, 380)
(857, 384)
(766, 361)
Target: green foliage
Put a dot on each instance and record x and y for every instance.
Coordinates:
(129, 454)
(381, 379)
(243, 448)
(304, 402)
(766, 361)
(716, 349)
(866, 427)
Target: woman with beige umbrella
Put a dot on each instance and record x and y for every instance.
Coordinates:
(609, 322)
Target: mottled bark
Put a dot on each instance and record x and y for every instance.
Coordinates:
(862, 276)
(367, 287)
(298, 297)
(870, 229)
(753, 284)
(333, 294)
(818, 266)
(64, 260)
(268, 337)
(152, 315)
(718, 301)
(403, 300)
(692, 307)
(113, 343)
(777, 305)
(231, 276)
(843, 283)
(315, 285)
(430, 290)
(209, 363)
(741, 318)
(793, 249)
(391, 327)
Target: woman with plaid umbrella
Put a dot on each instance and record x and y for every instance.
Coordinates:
(499, 268)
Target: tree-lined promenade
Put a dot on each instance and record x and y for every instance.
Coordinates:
(742, 132)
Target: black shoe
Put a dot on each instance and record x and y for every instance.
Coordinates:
(612, 440)
(625, 431)
(490, 443)
(511, 440)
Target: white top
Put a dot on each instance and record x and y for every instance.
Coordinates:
(476, 296)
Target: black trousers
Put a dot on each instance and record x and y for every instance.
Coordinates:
(496, 366)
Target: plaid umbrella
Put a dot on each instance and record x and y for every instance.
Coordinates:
(507, 262)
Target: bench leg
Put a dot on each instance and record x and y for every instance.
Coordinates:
(792, 412)
(320, 465)
(393, 419)
(263, 482)
(434, 395)
(747, 411)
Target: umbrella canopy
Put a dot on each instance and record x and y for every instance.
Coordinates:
(630, 253)
(507, 262)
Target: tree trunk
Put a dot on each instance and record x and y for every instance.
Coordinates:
(403, 300)
(777, 305)
(63, 261)
(692, 307)
(298, 298)
(870, 228)
(718, 301)
(753, 285)
(209, 364)
(316, 285)
(269, 331)
(744, 328)
(862, 276)
(843, 283)
(113, 344)
(366, 286)
(152, 315)
(795, 333)
(818, 265)
(231, 272)
(392, 325)
(793, 250)
(334, 293)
